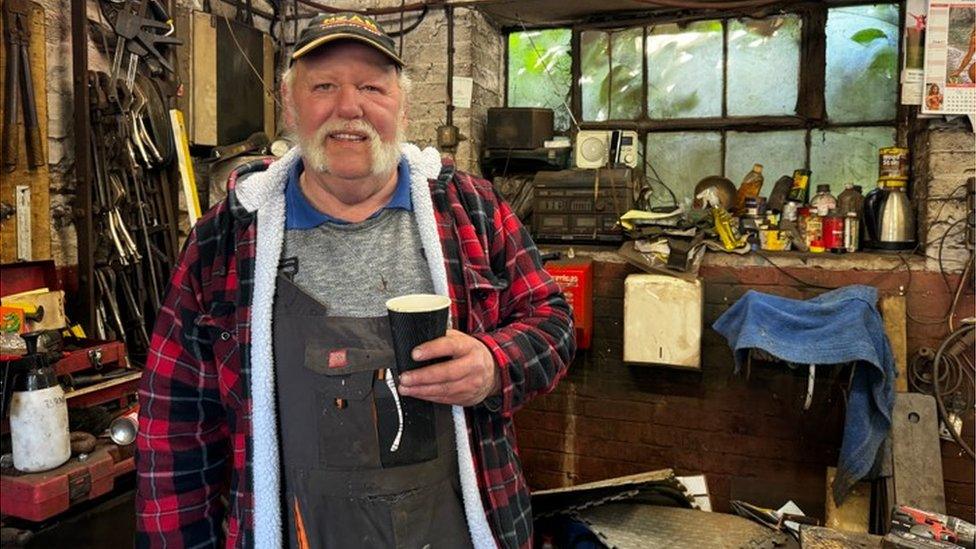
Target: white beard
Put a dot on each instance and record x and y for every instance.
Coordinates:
(385, 156)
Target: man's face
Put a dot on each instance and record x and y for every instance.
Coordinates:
(347, 110)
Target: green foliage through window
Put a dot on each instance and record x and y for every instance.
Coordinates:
(539, 65)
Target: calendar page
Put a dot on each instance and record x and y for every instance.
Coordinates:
(950, 58)
(913, 53)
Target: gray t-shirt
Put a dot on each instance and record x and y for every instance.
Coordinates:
(354, 268)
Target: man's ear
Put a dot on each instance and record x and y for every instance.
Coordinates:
(287, 106)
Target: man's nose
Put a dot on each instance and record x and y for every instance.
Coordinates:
(349, 103)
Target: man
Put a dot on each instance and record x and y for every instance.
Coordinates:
(267, 409)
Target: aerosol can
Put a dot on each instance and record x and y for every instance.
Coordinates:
(38, 413)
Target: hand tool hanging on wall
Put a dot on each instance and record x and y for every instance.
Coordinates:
(18, 89)
(132, 254)
(142, 29)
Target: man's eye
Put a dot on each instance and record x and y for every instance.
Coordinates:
(370, 89)
(325, 86)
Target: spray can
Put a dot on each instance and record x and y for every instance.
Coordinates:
(38, 413)
(852, 232)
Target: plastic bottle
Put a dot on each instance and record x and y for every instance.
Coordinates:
(751, 185)
(727, 231)
(38, 414)
(851, 200)
(800, 190)
(823, 202)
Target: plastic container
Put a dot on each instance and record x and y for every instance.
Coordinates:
(751, 185)
(800, 190)
(38, 413)
(727, 231)
(823, 202)
(851, 200)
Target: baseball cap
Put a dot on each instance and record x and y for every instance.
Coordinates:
(325, 28)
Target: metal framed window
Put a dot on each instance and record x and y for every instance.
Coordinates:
(812, 87)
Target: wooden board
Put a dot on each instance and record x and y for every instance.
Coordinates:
(37, 178)
(855, 513)
(916, 453)
(202, 117)
(893, 313)
(817, 537)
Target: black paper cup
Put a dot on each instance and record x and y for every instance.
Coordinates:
(416, 319)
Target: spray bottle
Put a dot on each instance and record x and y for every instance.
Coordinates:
(38, 413)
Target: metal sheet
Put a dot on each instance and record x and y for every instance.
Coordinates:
(626, 526)
(917, 453)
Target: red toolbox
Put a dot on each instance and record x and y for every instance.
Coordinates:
(89, 356)
(575, 277)
(40, 496)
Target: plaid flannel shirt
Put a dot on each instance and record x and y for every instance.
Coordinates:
(193, 452)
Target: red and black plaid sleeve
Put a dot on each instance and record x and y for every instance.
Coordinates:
(182, 444)
(502, 296)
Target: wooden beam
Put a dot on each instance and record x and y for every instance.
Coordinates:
(893, 313)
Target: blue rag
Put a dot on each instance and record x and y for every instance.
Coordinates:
(836, 327)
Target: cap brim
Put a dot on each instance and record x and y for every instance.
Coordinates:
(318, 42)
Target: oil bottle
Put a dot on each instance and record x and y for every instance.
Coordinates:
(751, 185)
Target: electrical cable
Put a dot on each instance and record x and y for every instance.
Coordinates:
(657, 179)
(955, 298)
(264, 84)
(400, 50)
(733, 4)
(945, 277)
(410, 28)
(938, 390)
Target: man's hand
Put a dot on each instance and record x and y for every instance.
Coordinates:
(467, 376)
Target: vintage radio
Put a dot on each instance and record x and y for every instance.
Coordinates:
(518, 128)
(581, 205)
(598, 148)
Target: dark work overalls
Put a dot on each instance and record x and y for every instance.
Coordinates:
(343, 487)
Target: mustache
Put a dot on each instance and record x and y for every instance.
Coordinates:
(338, 126)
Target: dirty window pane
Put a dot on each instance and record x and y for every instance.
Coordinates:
(764, 65)
(681, 160)
(626, 73)
(847, 155)
(862, 63)
(594, 75)
(779, 152)
(539, 71)
(684, 70)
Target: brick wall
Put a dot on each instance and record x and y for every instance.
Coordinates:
(751, 437)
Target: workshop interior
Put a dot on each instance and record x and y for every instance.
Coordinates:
(760, 211)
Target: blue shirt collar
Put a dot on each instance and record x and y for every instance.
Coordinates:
(300, 214)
